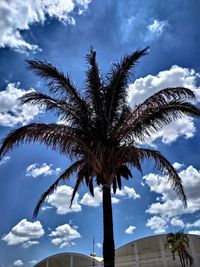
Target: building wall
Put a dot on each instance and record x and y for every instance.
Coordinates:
(68, 260)
(151, 252)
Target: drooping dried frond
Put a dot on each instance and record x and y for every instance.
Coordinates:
(62, 108)
(157, 111)
(115, 90)
(64, 176)
(80, 179)
(58, 137)
(165, 167)
(58, 83)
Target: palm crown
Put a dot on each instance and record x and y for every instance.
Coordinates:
(178, 244)
(101, 130)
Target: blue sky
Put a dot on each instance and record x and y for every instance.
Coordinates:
(62, 33)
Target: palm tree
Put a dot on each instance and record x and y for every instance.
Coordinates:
(101, 132)
(178, 243)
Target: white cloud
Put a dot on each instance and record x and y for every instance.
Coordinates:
(115, 200)
(195, 224)
(194, 232)
(168, 205)
(4, 160)
(177, 222)
(99, 245)
(91, 201)
(130, 230)
(17, 16)
(46, 208)
(18, 263)
(157, 224)
(177, 165)
(29, 244)
(36, 170)
(64, 235)
(33, 262)
(127, 192)
(61, 198)
(95, 201)
(142, 88)
(24, 233)
(11, 112)
(157, 26)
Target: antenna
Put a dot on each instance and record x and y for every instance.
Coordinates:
(93, 244)
(93, 254)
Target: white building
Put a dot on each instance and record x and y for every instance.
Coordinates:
(145, 252)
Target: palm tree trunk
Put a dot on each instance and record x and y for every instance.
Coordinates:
(108, 243)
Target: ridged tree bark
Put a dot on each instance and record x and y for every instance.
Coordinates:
(108, 243)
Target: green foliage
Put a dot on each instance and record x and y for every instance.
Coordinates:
(178, 244)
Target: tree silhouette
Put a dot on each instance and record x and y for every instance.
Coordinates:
(101, 131)
(178, 244)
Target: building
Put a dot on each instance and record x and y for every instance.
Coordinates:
(70, 260)
(145, 252)
(151, 252)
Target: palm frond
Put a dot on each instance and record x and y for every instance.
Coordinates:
(79, 180)
(94, 86)
(114, 183)
(115, 90)
(124, 171)
(119, 182)
(156, 112)
(58, 83)
(188, 258)
(64, 109)
(165, 167)
(65, 175)
(58, 137)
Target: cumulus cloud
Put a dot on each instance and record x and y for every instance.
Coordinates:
(99, 245)
(144, 87)
(177, 165)
(64, 235)
(157, 224)
(24, 233)
(30, 243)
(125, 193)
(17, 16)
(4, 160)
(177, 222)
(130, 230)
(44, 169)
(194, 224)
(11, 112)
(168, 206)
(61, 198)
(157, 26)
(91, 201)
(18, 263)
